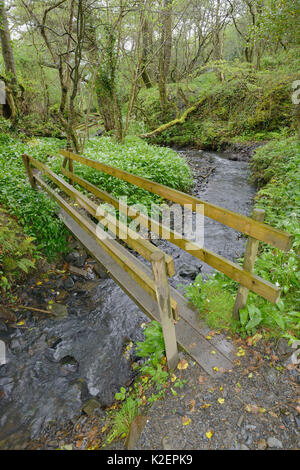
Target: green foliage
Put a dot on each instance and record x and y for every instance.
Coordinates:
(18, 253)
(248, 105)
(122, 420)
(33, 209)
(151, 372)
(278, 21)
(153, 345)
(36, 212)
(214, 298)
(162, 165)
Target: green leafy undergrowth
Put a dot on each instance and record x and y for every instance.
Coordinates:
(159, 164)
(152, 382)
(33, 209)
(37, 212)
(247, 106)
(18, 253)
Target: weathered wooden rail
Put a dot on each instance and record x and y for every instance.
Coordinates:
(151, 291)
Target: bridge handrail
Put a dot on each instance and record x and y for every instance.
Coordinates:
(247, 225)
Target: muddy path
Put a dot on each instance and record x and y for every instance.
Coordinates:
(75, 360)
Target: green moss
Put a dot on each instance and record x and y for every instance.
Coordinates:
(248, 105)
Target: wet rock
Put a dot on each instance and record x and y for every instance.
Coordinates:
(69, 364)
(271, 376)
(3, 326)
(76, 258)
(78, 271)
(100, 270)
(273, 442)
(15, 346)
(60, 311)
(50, 355)
(69, 283)
(283, 348)
(53, 341)
(91, 406)
(190, 272)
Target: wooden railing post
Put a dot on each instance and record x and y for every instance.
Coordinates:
(164, 306)
(29, 170)
(249, 261)
(69, 161)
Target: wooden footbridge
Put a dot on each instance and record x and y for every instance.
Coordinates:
(149, 288)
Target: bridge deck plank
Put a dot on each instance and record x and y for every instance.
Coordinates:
(191, 333)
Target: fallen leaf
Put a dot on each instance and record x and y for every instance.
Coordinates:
(104, 428)
(173, 378)
(201, 379)
(221, 400)
(252, 340)
(205, 405)
(183, 364)
(213, 352)
(186, 421)
(255, 409)
(216, 369)
(209, 434)
(192, 406)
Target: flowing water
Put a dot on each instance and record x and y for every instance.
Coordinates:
(56, 365)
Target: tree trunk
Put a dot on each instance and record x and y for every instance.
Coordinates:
(9, 64)
(147, 40)
(165, 53)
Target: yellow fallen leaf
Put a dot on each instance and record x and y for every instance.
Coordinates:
(221, 389)
(183, 364)
(208, 337)
(186, 421)
(213, 352)
(104, 428)
(39, 283)
(20, 323)
(221, 400)
(216, 369)
(192, 405)
(206, 405)
(209, 434)
(173, 378)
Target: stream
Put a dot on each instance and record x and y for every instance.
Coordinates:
(76, 360)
